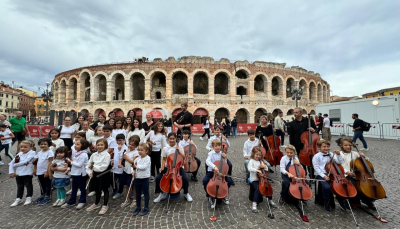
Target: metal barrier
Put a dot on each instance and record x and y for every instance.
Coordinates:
(391, 131)
(374, 132)
(338, 129)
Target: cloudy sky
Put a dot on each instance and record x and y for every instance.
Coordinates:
(354, 45)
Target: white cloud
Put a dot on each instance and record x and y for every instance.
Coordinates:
(335, 39)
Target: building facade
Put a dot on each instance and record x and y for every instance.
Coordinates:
(215, 88)
(9, 100)
(40, 109)
(382, 92)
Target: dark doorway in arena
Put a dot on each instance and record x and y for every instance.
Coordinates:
(221, 113)
(312, 91)
(119, 82)
(137, 85)
(290, 112)
(101, 91)
(200, 84)
(158, 95)
(73, 86)
(241, 91)
(275, 86)
(241, 116)
(221, 84)
(290, 85)
(241, 74)
(259, 112)
(259, 83)
(158, 80)
(275, 112)
(86, 88)
(180, 83)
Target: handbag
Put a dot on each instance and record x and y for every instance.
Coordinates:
(24, 131)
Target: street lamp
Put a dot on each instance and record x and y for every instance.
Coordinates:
(47, 97)
(296, 92)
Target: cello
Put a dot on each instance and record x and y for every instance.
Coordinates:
(171, 181)
(298, 188)
(309, 139)
(275, 154)
(264, 187)
(260, 147)
(190, 163)
(224, 146)
(217, 187)
(340, 186)
(366, 183)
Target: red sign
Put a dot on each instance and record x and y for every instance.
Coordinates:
(156, 114)
(197, 128)
(176, 112)
(242, 128)
(138, 111)
(102, 112)
(119, 112)
(34, 131)
(200, 111)
(46, 130)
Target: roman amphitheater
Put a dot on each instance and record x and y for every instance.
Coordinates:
(217, 88)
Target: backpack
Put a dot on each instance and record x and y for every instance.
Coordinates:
(366, 126)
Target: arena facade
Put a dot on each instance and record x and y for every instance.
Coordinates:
(217, 88)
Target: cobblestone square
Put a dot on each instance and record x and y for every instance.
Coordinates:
(238, 214)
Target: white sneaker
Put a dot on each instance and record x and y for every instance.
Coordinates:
(254, 209)
(56, 203)
(92, 193)
(69, 192)
(79, 193)
(1, 163)
(272, 203)
(226, 200)
(66, 205)
(161, 197)
(80, 206)
(201, 138)
(28, 201)
(212, 202)
(16, 202)
(188, 197)
(102, 193)
(61, 203)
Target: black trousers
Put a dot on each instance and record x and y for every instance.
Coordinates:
(155, 158)
(45, 184)
(22, 182)
(101, 184)
(206, 131)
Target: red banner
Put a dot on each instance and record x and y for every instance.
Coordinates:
(46, 130)
(34, 131)
(242, 128)
(197, 128)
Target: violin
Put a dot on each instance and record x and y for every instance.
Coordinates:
(180, 119)
(217, 187)
(264, 187)
(275, 154)
(340, 186)
(190, 163)
(123, 160)
(171, 182)
(17, 159)
(309, 140)
(366, 182)
(298, 188)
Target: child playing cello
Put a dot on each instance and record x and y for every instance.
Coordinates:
(185, 142)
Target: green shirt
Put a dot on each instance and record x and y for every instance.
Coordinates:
(15, 124)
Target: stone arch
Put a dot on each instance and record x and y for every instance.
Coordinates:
(242, 115)
(138, 86)
(199, 114)
(84, 111)
(87, 71)
(158, 84)
(241, 91)
(100, 87)
(63, 90)
(175, 112)
(305, 112)
(324, 92)
(55, 92)
(277, 86)
(221, 113)
(275, 112)
(99, 111)
(221, 83)
(312, 112)
(303, 86)
(84, 80)
(258, 113)
(179, 83)
(290, 85)
(72, 88)
(259, 83)
(319, 94)
(200, 83)
(118, 82)
(242, 74)
(290, 112)
(312, 90)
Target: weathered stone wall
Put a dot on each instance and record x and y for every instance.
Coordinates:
(200, 81)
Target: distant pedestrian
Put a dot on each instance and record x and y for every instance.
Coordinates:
(279, 126)
(326, 128)
(358, 131)
(319, 122)
(234, 125)
(206, 126)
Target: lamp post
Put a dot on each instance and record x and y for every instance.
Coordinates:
(296, 92)
(47, 97)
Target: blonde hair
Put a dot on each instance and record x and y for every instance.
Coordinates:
(147, 146)
(254, 151)
(322, 141)
(216, 142)
(290, 147)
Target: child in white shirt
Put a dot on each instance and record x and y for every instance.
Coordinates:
(55, 139)
(118, 168)
(60, 179)
(141, 173)
(6, 138)
(42, 160)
